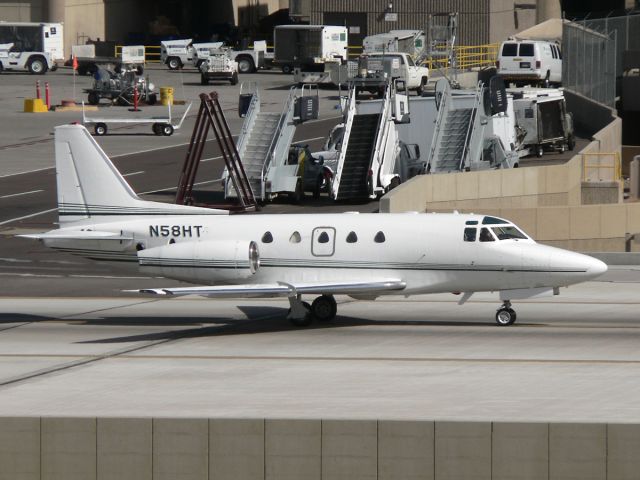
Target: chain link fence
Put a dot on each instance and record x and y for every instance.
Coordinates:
(589, 62)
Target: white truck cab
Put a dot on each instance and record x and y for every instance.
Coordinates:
(399, 65)
(530, 62)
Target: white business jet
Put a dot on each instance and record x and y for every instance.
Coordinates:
(360, 255)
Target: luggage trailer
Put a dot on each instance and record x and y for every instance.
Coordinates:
(159, 125)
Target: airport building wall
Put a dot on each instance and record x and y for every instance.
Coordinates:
(259, 449)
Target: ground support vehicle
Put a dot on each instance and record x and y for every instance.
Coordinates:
(121, 87)
(159, 125)
(543, 121)
(176, 54)
(537, 63)
(308, 47)
(407, 41)
(36, 63)
(131, 58)
(219, 67)
(36, 47)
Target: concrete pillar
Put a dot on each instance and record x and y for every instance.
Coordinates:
(623, 445)
(236, 449)
(548, 9)
(577, 451)
(180, 449)
(19, 448)
(124, 448)
(349, 449)
(634, 177)
(68, 449)
(520, 451)
(56, 10)
(463, 450)
(405, 450)
(293, 449)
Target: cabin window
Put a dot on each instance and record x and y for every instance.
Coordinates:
(172, 241)
(470, 234)
(485, 235)
(267, 237)
(526, 49)
(508, 232)
(471, 222)
(509, 49)
(323, 237)
(295, 237)
(352, 237)
(139, 246)
(379, 238)
(493, 221)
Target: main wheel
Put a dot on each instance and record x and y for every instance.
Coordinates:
(167, 130)
(505, 316)
(37, 66)
(303, 322)
(100, 129)
(93, 98)
(324, 308)
(174, 63)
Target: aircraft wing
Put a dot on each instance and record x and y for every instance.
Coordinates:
(282, 289)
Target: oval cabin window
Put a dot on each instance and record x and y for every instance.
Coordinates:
(379, 238)
(352, 237)
(323, 238)
(267, 237)
(295, 237)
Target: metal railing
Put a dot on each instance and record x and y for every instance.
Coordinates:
(467, 57)
(601, 167)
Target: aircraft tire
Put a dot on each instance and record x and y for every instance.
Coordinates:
(324, 308)
(505, 316)
(303, 322)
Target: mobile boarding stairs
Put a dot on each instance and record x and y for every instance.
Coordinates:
(366, 166)
(265, 139)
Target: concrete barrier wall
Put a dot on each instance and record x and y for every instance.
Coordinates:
(248, 449)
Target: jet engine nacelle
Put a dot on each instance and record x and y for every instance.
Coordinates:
(202, 262)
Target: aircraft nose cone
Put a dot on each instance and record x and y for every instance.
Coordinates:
(595, 267)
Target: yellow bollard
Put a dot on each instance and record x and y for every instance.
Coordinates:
(34, 105)
(166, 96)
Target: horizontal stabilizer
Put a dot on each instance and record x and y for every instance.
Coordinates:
(280, 289)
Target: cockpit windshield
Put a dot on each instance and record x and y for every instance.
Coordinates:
(508, 232)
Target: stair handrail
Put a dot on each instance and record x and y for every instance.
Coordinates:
(349, 116)
(285, 116)
(247, 126)
(381, 137)
(471, 127)
(443, 106)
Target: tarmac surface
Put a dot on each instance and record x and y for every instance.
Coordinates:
(73, 344)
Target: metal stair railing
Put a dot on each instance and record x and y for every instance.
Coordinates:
(441, 118)
(211, 116)
(350, 114)
(380, 141)
(285, 117)
(472, 129)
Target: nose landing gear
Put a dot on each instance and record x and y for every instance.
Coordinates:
(505, 315)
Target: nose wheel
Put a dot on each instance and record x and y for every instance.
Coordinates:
(505, 315)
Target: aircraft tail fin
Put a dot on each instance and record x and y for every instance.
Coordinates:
(90, 186)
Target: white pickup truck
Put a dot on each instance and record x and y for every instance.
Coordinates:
(395, 65)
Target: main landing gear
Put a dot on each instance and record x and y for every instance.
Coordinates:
(302, 314)
(505, 315)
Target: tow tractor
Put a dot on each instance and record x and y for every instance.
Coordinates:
(120, 87)
(159, 125)
(219, 67)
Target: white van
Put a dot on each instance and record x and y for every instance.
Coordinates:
(528, 61)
